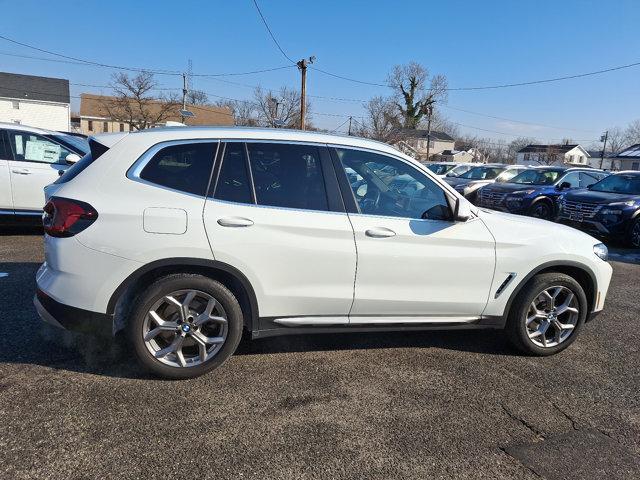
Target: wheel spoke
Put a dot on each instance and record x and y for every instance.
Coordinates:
(167, 327)
(537, 314)
(204, 340)
(563, 326)
(184, 307)
(202, 351)
(172, 347)
(183, 362)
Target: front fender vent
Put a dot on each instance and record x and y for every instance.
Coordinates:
(504, 284)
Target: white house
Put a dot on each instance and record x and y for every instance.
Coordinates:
(35, 101)
(415, 142)
(627, 159)
(561, 154)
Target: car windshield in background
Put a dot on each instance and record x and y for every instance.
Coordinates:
(439, 168)
(507, 175)
(459, 170)
(482, 173)
(620, 183)
(79, 144)
(537, 177)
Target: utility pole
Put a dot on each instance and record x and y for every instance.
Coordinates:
(429, 108)
(603, 138)
(184, 95)
(275, 117)
(350, 118)
(302, 66)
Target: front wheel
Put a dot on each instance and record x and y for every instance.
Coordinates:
(541, 209)
(634, 233)
(185, 325)
(547, 314)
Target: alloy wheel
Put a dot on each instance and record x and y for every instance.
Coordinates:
(185, 328)
(541, 210)
(635, 234)
(552, 316)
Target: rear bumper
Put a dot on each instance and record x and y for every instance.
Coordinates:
(72, 318)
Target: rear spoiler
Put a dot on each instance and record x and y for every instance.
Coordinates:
(98, 144)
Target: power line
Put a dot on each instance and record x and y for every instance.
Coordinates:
(80, 61)
(273, 37)
(340, 126)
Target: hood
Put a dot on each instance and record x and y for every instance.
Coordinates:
(509, 229)
(467, 182)
(599, 198)
(515, 187)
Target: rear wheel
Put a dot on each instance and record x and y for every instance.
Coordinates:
(541, 209)
(185, 325)
(547, 314)
(634, 233)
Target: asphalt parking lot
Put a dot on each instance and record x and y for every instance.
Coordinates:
(419, 405)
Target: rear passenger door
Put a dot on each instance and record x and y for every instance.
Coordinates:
(275, 213)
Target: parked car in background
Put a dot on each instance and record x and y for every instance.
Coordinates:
(449, 169)
(609, 208)
(534, 192)
(31, 158)
(470, 182)
(184, 237)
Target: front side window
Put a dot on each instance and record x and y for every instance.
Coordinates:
(233, 180)
(393, 188)
(32, 147)
(573, 179)
(507, 175)
(628, 184)
(482, 173)
(288, 175)
(537, 177)
(440, 168)
(587, 179)
(185, 167)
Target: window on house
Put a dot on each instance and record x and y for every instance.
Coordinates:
(105, 126)
(527, 156)
(16, 105)
(122, 127)
(635, 166)
(90, 126)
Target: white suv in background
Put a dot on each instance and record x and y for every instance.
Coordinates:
(183, 237)
(31, 158)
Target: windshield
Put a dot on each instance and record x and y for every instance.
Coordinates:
(507, 175)
(459, 170)
(79, 144)
(620, 183)
(537, 177)
(482, 173)
(440, 168)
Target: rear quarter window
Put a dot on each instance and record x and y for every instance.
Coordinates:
(185, 167)
(95, 151)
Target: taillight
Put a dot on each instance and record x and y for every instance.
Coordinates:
(64, 217)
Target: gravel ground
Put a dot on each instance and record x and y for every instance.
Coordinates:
(419, 405)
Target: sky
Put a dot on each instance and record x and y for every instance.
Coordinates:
(472, 43)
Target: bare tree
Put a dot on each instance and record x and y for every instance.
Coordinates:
(616, 140)
(197, 97)
(551, 155)
(134, 104)
(244, 112)
(632, 133)
(281, 109)
(416, 92)
(380, 122)
(518, 144)
(440, 123)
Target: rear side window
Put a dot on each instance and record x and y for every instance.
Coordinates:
(233, 180)
(5, 150)
(287, 175)
(185, 167)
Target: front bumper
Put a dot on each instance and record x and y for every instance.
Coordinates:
(72, 318)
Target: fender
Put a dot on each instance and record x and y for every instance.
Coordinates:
(545, 266)
(181, 262)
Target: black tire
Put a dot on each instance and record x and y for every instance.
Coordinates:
(515, 327)
(165, 286)
(633, 237)
(542, 209)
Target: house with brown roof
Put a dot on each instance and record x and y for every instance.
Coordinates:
(94, 115)
(557, 155)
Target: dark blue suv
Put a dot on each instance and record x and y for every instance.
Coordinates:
(534, 192)
(609, 208)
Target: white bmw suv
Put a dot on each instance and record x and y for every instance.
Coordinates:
(185, 237)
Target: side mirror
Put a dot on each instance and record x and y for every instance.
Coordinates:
(462, 210)
(589, 186)
(564, 186)
(72, 158)
(437, 212)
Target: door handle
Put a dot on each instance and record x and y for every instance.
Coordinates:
(21, 171)
(379, 232)
(235, 222)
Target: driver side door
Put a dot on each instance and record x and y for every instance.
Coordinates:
(413, 267)
(36, 163)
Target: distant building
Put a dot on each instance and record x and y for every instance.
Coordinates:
(627, 159)
(41, 102)
(94, 118)
(596, 160)
(457, 156)
(414, 143)
(559, 154)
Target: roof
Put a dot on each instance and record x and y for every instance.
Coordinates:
(26, 128)
(561, 147)
(451, 152)
(630, 152)
(29, 87)
(417, 133)
(93, 106)
(163, 134)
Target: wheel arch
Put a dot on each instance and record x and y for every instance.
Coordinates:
(578, 271)
(228, 275)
